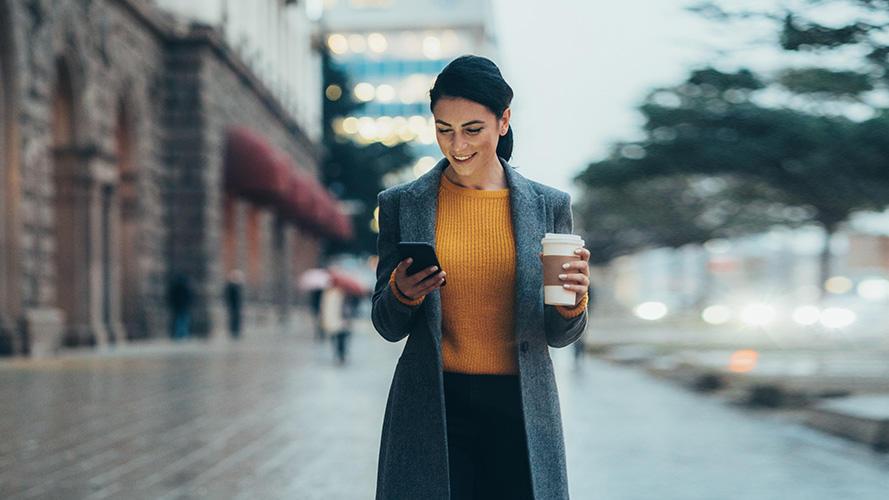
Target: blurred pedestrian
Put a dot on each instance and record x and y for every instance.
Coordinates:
(180, 296)
(315, 307)
(234, 298)
(473, 410)
(336, 319)
(315, 281)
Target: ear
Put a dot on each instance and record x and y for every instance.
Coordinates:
(504, 121)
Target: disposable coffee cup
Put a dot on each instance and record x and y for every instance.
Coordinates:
(558, 249)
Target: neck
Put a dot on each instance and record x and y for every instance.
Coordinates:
(489, 180)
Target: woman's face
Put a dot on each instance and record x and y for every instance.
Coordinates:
(467, 134)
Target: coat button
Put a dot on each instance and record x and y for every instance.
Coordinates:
(524, 347)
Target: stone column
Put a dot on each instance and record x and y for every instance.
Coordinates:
(85, 233)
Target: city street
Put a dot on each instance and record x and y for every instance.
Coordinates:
(277, 418)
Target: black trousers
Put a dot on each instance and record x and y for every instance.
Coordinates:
(487, 449)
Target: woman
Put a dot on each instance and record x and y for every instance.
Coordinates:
(473, 410)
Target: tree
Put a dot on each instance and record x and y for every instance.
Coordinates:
(820, 166)
(674, 211)
(857, 29)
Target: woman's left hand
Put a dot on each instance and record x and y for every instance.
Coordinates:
(576, 275)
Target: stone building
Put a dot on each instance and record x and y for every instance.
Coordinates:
(114, 126)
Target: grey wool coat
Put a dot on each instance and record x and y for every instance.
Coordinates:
(413, 462)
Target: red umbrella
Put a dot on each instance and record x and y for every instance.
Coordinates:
(349, 284)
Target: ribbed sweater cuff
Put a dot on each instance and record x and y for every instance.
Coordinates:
(400, 296)
(573, 312)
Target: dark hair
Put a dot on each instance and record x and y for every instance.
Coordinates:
(476, 79)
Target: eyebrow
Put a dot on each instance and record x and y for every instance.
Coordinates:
(473, 122)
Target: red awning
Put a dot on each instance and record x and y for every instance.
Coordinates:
(320, 211)
(296, 205)
(257, 171)
(254, 169)
(341, 225)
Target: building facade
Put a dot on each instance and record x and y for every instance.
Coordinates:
(116, 118)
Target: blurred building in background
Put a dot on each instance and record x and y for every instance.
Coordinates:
(141, 139)
(274, 38)
(391, 51)
(765, 281)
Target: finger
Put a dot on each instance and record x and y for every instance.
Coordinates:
(422, 275)
(426, 287)
(402, 266)
(576, 278)
(579, 265)
(583, 253)
(433, 283)
(580, 290)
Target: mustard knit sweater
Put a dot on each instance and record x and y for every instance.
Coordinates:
(475, 244)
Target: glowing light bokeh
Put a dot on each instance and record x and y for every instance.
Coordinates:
(338, 43)
(333, 92)
(743, 361)
(806, 315)
(350, 125)
(838, 285)
(873, 289)
(837, 317)
(431, 47)
(365, 92)
(651, 311)
(385, 93)
(716, 314)
(423, 165)
(377, 43)
(758, 314)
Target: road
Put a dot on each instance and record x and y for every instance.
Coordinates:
(277, 418)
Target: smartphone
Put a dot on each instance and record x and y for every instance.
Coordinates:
(422, 253)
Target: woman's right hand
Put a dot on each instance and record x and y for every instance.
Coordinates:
(419, 284)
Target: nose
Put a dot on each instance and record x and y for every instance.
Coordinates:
(459, 142)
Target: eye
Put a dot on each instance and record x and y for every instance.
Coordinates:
(473, 130)
(444, 130)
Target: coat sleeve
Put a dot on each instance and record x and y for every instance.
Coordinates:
(561, 332)
(391, 317)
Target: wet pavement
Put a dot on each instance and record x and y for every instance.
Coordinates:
(277, 418)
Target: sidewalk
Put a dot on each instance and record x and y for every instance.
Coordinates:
(839, 378)
(277, 419)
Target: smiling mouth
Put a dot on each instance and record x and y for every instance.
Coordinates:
(463, 158)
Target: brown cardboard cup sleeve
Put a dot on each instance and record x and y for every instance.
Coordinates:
(552, 268)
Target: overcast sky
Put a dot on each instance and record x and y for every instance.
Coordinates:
(579, 68)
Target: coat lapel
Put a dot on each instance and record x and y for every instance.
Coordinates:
(417, 215)
(529, 222)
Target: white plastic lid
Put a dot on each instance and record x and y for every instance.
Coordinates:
(563, 238)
